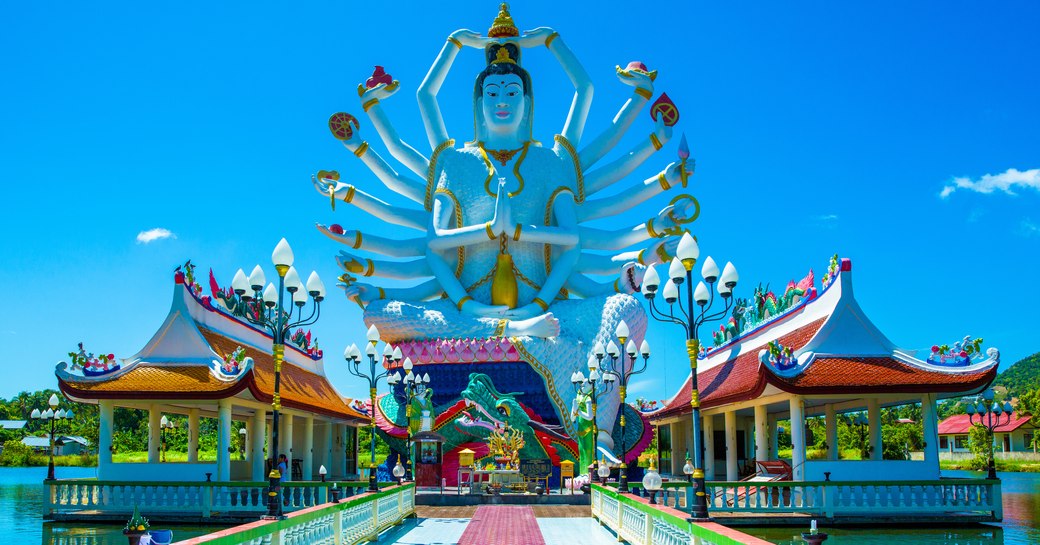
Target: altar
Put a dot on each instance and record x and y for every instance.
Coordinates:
(510, 480)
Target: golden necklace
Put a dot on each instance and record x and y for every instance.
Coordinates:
(504, 155)
(491, 168)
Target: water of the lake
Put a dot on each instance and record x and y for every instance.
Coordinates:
(21, 509)
(22, 495)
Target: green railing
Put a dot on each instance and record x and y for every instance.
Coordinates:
(638, 522)
(352, 521)
(187, 497)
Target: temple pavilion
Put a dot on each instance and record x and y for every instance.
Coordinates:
(821, 356)
(205, 362)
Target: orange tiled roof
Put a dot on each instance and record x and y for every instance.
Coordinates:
(735, 380)
(829, 374)
(300, 389)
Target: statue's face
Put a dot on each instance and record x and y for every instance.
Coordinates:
(503, 103)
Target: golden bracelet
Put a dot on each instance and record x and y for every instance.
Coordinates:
(500, 329)
(382, 293)
(462, 302)
(551, 37)
(369, 104)
(491, 234)
(364, 147)
(650, 229)
(616, 288)
(639, 257)
(656, 141)
(645, 93)
(370, 268)
(543, 304)
(455, 41)
(350, 194)
(516, 233)
(663, 254)
(664, 182)
(357, 239)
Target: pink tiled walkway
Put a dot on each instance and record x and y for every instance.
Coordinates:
(502, 525)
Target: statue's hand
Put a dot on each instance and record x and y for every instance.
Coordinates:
(672, 218)
(636, 78)
(661, 251)
(381, 91)
(503, 220)
(631, 277)
(536, 37)
(323, 186)
(469, 38)
(663, 132)
(673, 173)
(524, 312)
(360, 293)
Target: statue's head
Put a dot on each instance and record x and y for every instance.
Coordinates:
(503, 103)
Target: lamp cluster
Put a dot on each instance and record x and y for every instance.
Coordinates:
(54, 415)
(991, 415)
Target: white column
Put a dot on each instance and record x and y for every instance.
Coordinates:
(761, 433)
(832, 431)
(308, 448)
(731, 446)
(154, 418)
(874, 430)
(339, 456)
(256, 438)
(798, 438)
(193, 435)
(106, 410)
(930, 429)
(330, 443)
(223, 440)
(285, 442)
(708, 428)
(774, 437)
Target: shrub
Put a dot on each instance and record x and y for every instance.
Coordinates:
(15, 453)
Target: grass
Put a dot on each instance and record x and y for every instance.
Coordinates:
(67, 460)
(1020, 466)
(140, 457)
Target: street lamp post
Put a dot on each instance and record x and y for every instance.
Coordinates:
(242, 443)
(990, 417)
(53, 416)
(164, 424)
(618, 368)
(353, 356)
(691, 319)
(861, 423)
(587, 386)
(270, 312)
(415, 385)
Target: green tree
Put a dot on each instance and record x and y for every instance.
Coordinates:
(15, 454)
(981, 446)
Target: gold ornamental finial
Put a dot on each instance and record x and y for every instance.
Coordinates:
(503, 27)
(503, 56)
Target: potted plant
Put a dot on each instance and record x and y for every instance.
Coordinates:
(136, 527)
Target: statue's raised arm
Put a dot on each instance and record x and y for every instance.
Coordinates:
(430, 110)
(642, 82)
(371, 102)
(582, 101)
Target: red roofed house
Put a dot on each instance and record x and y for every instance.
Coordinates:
(827, 359)
(205, 362)
(1015, 436)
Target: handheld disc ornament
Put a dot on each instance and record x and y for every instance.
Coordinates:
(341, 125)
(664, 106)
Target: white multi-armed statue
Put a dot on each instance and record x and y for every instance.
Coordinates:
(502, 249)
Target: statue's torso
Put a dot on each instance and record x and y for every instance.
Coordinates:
(463, 174)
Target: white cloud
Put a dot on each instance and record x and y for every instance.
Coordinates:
(1029, 228)
(1006, 181)
(151, 235)
(828, 217)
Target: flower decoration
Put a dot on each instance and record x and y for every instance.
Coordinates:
(960, 353)
(779, 356)
(93, 365)
(832, 271)
(646, 405)
(233, 362)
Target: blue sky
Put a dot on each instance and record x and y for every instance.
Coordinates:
(817, 128)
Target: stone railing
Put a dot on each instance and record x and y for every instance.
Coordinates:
(360, 518)
(638, 522)
(189, 498)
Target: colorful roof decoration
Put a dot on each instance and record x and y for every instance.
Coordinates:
(960, 425)
(204, 351)
(823, 343)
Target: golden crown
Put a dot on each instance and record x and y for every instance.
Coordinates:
(503, 26)
(503, 57)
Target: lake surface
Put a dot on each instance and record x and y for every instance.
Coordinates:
(22, 498)
(21, 513)
(1021, 526)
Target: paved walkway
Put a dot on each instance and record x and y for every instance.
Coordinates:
(501, 525)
